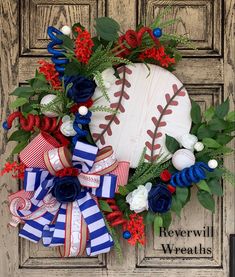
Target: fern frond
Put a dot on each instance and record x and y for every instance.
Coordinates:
(103, 109)
(100, 82)
(115, 237)
(229, 176)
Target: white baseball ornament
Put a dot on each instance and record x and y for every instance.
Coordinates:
(199, 146)
(46, 100)
(66, 128)
(183, 158)
(66, 30)
(188, 141)
(149, 103)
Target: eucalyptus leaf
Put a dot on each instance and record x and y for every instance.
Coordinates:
(107, 28)
(104, 206)
(211, 143)
(67, 42)
(204, 132)
(23, 92)
(167, 218)
(206, 200)
(182, 194)
(223, 139)
(196, 113)
(172, 144)
(215, 187)
(222, 110)
(149, 218)
(176, 205)
(19, 135)
(231, 116)
(209, 113)
(19, 147)
(158, 223)
(202, 185)
(217, 124)
(19, 102)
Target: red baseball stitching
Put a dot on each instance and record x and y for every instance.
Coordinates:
(118, 107)
(152, 146)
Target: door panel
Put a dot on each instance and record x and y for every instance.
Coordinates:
(207, 72)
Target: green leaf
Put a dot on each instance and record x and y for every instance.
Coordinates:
(176, 205)
(167, 218)
(172, 144)
(215, 187)
(211, 143)
(202, 185)
(217, 173)
(158, 223)
(196, 113)
(67, 42)
(209, 113)
(72, 69)
(123, 190)
(230, 127)
(222, 110)
(206, 200)
(204, 132)
(231, 116)
(223, 139)
(182, 194)
(104, 206)
(19, 147)
(149, 218)
(217, 124)
(19, 135)
(107, 28)
(24, 92)
(18, 102)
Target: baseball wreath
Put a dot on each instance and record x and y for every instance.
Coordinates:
(108, 136)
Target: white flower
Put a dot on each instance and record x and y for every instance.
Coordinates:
(188, 141)
(138, 198)
(108, 77)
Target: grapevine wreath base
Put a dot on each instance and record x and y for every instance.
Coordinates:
(103, 106)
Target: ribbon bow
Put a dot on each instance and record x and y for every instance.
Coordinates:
(38, 206)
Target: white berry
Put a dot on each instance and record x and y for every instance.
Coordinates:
(199, 146)
(66, 30)
(83, 110)
(212, 164)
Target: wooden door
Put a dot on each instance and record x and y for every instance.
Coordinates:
(208, 74)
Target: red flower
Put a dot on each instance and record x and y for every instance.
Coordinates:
(49, 71)
(83, 45)
(17, 170)
(136, 227)
(165, 175)
(157, 54)
(68, 171)
(75, 107)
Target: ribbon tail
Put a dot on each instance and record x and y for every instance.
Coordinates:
(100, 241)
(33, 229)
(107, 186)
(54, 234)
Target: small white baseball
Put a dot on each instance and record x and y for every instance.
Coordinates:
(67, 129)
(66, 30)
(188, 141)
(183, 158)
(199, 146)
(212, 164)
(46, 100)
(83, 110)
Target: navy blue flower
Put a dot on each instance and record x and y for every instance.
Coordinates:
(82, 88)
(159, 199)
(66, 189)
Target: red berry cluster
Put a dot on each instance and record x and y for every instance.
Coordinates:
(136, 227)
(157, 54)
(49, 71)
(17, 170)
(83, 45)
